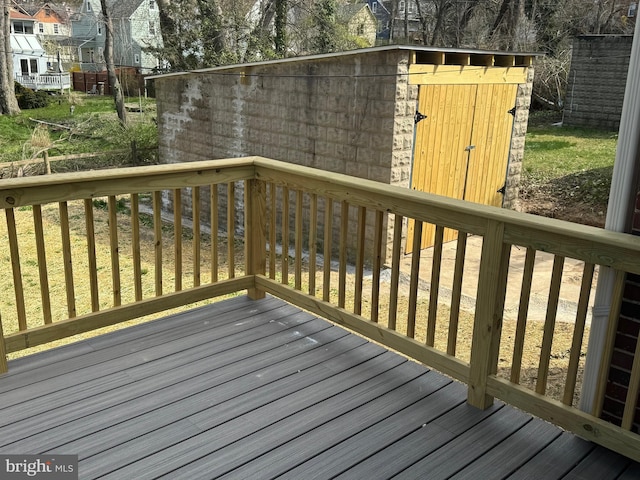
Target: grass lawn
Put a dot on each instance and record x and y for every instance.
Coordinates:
(93, 126)
(567, 172)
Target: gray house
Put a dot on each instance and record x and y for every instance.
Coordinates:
(136, 27)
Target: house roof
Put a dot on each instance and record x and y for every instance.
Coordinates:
(360, 51)
(17, 15)
(26, 45)
(124, 8)
(347, 12)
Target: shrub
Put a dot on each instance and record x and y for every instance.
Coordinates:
(28, 99)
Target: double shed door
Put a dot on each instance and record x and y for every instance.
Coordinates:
(462, 146)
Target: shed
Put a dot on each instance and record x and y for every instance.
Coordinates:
(597, 80)
(445, 121)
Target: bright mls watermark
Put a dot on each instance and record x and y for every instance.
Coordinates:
(50, 467)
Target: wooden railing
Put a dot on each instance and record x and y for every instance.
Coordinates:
(333, 245)
(45, 81)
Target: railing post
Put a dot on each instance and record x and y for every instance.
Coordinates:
(494, 264)
(255, 200)
(4, 368)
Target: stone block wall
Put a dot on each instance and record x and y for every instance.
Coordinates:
(597, 81)
(350, 114)
(516, 148)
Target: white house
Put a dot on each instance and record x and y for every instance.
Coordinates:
(28, 55)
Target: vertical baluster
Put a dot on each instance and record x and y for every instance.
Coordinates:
(342, 267)
(328, 231)
(195, 202)
(415, 278)
(157, 234)
(313, 232)
(456, 293)
(523, 309)
(395, 270)
(15, 266)
(377, 266)
(578, 333)
(362, 220)
(115, 256)
(67, 259)
(298, 241)
(42, 264)
(435, 285)
(231, 228)
(177, 239)
(135, 246)
(91, 253)
(272, 231)
(285, 235)
(549, 324)
(214, 233)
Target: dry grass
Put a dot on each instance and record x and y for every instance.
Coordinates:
(55, 269)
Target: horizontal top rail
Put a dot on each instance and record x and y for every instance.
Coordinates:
(584, 242)
(59, 187)
(591, 244)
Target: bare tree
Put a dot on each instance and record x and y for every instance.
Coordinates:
(111, 69)
(8, 101)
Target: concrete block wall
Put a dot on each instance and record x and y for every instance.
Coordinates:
(597, 81)
(350, 114)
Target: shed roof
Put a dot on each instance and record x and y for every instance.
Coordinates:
(412, 48)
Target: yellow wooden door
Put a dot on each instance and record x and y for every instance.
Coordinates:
(440, 155)
(491, 138)
(462, 147)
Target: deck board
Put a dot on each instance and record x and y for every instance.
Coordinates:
(260, 389)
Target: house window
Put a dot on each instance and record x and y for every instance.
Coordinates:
(401, 7)
(361, 29)
(88, 6)
(24, 66)
(152, 4)
(47, 12)
(374, 7)
(136, 58)
(411, 7)
(152, 28)
(633, 8)
(56, 28)
(99, 29)
(41, 27)
(34, 65)
(20, 27)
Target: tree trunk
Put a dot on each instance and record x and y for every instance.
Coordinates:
(170, 35)
(8, 101)
(280, 40)
(111, 69)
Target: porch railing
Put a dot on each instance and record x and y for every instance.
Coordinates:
(328, 243)
(45, 81)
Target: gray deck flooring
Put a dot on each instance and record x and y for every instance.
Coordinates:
(243, 389)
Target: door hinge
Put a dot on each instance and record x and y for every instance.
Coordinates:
(418, 117)
(512, 111)
(502, 190)
(468, 148)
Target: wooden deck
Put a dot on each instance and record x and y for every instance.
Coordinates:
(260, 389)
